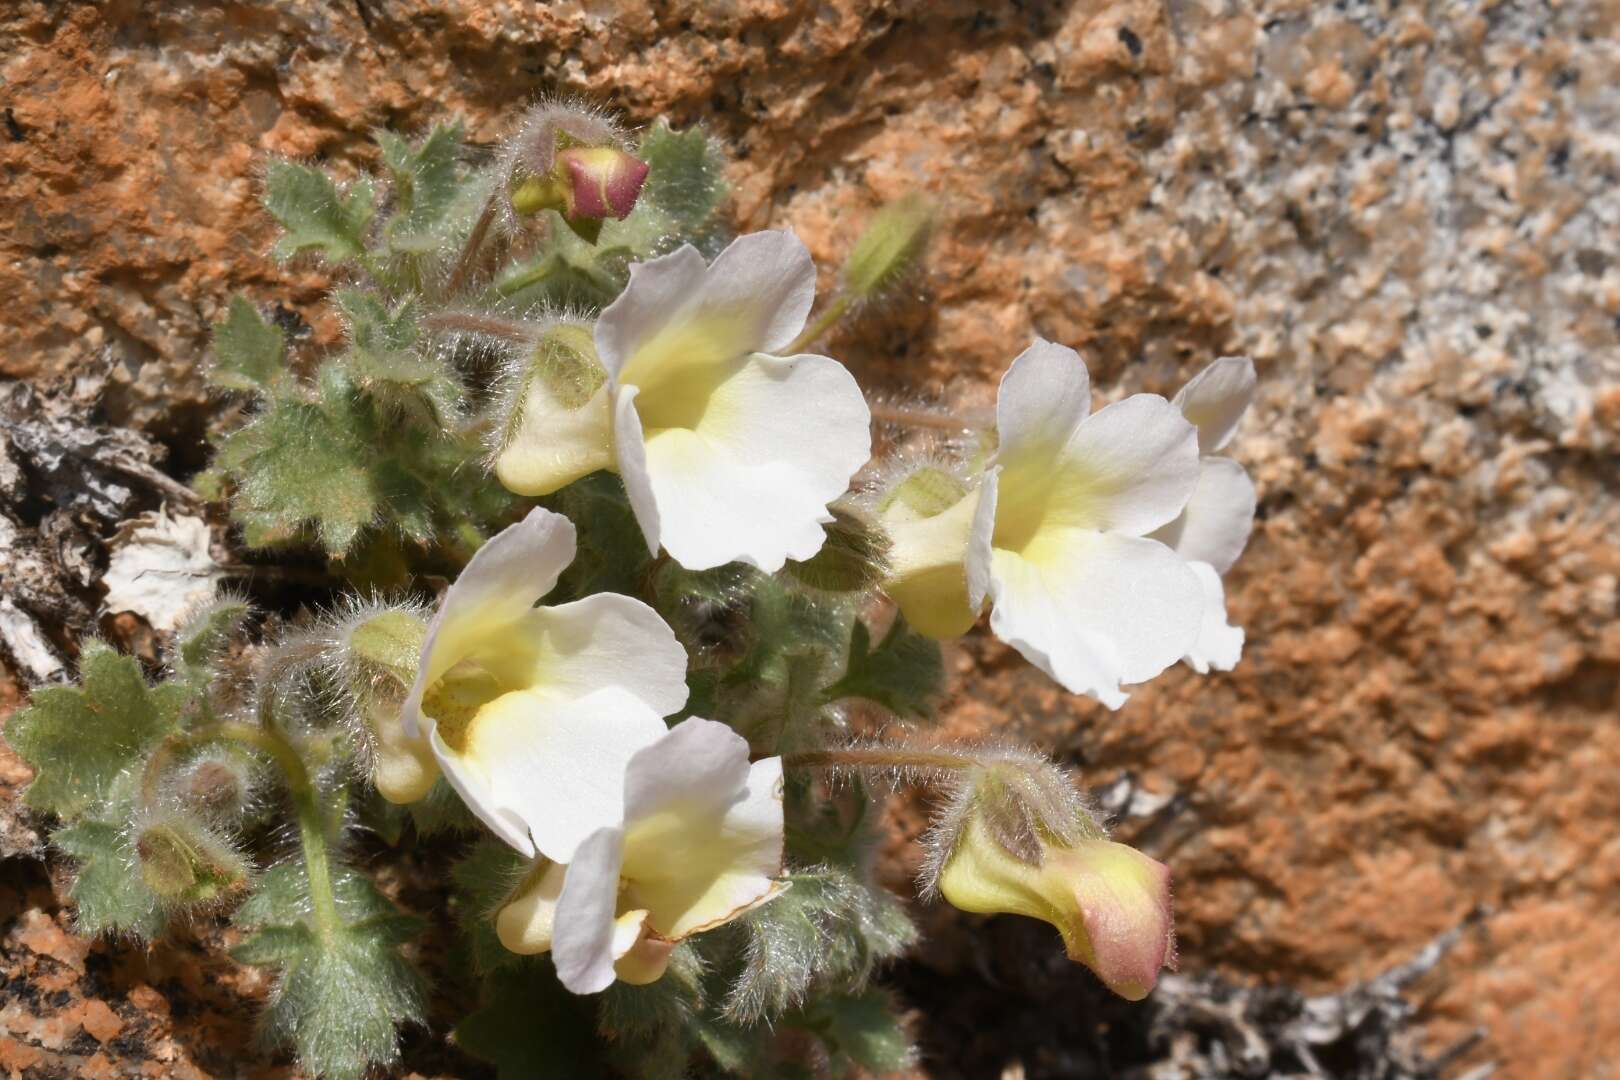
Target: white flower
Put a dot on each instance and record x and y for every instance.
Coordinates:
(698, 843)
(533, 712)
(728, 451)
(1214, 526)
(1058, 535)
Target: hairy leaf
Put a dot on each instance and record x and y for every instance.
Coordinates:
(686, 178)
(341, 991)
(425, 185)
(527, 1025)
(294, 464)
(317, 214)
(863, 1030)
(81, 740)
(903, 674)
(108, 893)
(248, 350)
(482, 881)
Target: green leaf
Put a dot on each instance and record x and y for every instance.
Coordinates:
(341, 992)
(317, 214)
(903, 674)
(482, 882)
(385, 364)
(248, 350)
(828, 929)
(284, 888)
(205, 635)
(864, 1029)
(854, 558)
(612, 552)
(294, 464)
(528, 1026)
(686, 178)
(81, 740)
(108, 895)
(426, 178)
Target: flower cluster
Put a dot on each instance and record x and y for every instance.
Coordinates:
(668, 547)
(1096, 540)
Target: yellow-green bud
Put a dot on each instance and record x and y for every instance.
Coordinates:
(384, 650)
(890, 248)
(1110, 902)
(182, 862)
(854, 558)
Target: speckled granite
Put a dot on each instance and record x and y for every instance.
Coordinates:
(1407, 213)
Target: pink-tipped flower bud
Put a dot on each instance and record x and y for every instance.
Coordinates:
(1110, 902)
(572, 160)
(602, 181)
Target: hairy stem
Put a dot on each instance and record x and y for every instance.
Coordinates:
(892, 414)
(311, 821)
(474, 323)
(823, 322)
(861, 757)
(469, 251)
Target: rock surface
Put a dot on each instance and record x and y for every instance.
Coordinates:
(1404, 212)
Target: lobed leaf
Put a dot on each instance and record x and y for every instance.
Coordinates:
(294, 464)
(318, 215)
(528, 1026)
(426, 182)
(107, 892)
(81, 740)
(341, 991)
(248, 350)
(903, 674)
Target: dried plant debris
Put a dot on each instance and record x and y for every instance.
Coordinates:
(66, 482)
(996, 1020)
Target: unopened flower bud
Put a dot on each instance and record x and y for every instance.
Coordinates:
(382, 664)
(890, 248)
(573, 161)
(1110, 902)
(217, 786)
(929, 519)
(559, 424)
(182, 861)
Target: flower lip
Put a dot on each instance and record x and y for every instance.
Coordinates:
(729, 452)
(602, 181)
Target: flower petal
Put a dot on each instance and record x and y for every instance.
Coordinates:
(585, 928)
(775, 440)
(1220, 645)
(1094, 610)
(928, 568)
(1044, 396)
(554, 445)
(1126, 933)
(659, 290)
(981, 539)
(526, 921)
(498, 586)
(1216, 398)
(767, 278)
(703, 829)
(631, 448)
(1128, 468)
(544, 773)
(754, 298)
(1217, 520)
(608, 640)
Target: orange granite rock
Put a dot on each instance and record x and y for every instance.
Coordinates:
(1404, 214)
